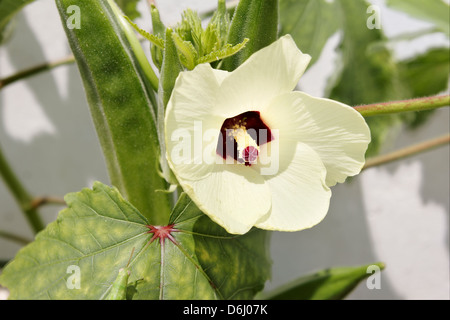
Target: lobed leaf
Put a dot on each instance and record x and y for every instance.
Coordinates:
(98, 232)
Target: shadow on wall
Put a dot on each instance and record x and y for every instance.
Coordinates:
(50, 164)
(341, 239)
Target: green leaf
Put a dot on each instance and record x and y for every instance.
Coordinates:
(425, 75)
(369, 73)
(310, 23)
(428, 73)
(256, 20)
(129, 7)
(8, 9)
(98, 232)
(117, 79)
(330, 284)
(434, 11)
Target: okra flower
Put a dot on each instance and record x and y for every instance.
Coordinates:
(249, 151)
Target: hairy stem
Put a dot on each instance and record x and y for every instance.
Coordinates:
(408, 151)
(418, 104)
(23, 198)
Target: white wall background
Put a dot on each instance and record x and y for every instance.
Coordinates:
(397, 214)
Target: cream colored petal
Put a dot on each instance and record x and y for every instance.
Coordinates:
(337, 132)
(232, 195)
(267, 73)
(192, 125)
(220, 75)
(300, 197)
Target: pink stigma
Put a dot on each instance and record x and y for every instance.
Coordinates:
(250, 154)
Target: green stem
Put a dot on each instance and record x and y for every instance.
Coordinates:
(35, 70)
(407, 152)
(23, 198)
(418, 104)
(14, 237)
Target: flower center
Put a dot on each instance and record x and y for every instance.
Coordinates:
(241, 137)
(250, 154)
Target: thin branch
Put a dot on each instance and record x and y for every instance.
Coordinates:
(418, 104)
(23, 198)
(35, 70)
(40, 201)
(14, 237)
(407, 152)
(47, 66)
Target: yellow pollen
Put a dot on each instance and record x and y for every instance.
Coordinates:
(243, 140)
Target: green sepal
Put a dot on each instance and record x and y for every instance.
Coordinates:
(187, 52)
(221, 21)
(158, 30)
(190, 29)
(157, 41)
(170, 69)
(222, 53)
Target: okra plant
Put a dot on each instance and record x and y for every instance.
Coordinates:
(209, 147)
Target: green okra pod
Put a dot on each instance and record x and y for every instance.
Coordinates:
(118, 81)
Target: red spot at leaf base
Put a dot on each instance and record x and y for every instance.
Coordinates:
(162, 232)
